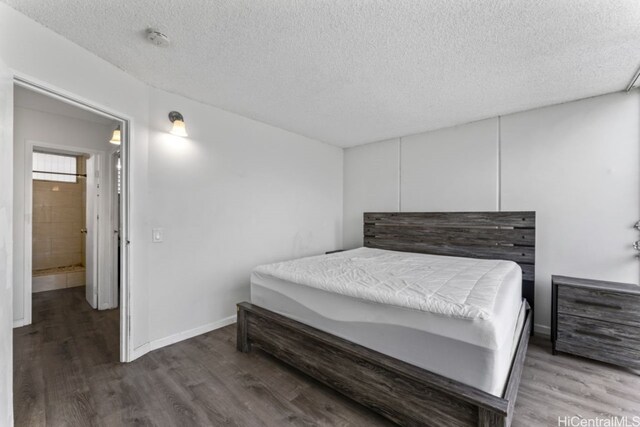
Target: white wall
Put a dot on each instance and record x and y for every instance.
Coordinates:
(33, 51)
(33, 125)
(432, 163)
(578, 166)
(575, 164)
(373, 178)
(6, 246)
(235, 194)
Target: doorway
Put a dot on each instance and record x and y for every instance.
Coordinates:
(74, 201)
(71, 222)
(60, 253)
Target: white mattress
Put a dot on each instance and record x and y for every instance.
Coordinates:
(456, 287)
(473, 350)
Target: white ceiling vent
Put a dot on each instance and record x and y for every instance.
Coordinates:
(157, 38)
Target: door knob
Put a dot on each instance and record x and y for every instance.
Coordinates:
(83, 230)
(637, 225)
(636, 245)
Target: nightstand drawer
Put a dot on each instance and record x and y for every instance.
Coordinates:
(598, 333)
(604, 353)
(599, 340)
(599, 304)
(596, 319)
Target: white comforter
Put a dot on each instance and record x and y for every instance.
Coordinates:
(456, 287)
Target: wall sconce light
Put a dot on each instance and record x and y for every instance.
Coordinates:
(116, 138)
(179, 128)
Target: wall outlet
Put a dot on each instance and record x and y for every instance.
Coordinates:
(157, 235)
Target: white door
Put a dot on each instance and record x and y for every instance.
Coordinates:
(91, 243)
(6, 243)
(116, 167)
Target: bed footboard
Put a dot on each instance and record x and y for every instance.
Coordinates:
(403, 393)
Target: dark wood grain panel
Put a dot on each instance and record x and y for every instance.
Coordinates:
(623, 288)
(491, 419)
(393, 396)
(598, 320)
(452, 235)
(600, 303)
(517, 254)
(603, 353)
(605, 341)
(517, 365)
(454, 219)
(598, 332)
(242, 337)
(470, 394)
(528, 275)
(401, 392)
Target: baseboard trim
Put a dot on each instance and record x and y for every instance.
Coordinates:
(139, 352)
(181, 336)
(542, 330)
(19, 323)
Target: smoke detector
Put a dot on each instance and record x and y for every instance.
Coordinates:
(157, 38)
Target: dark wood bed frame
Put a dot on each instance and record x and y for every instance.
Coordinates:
(404, 393)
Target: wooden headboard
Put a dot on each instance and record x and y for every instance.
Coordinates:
(488, 235)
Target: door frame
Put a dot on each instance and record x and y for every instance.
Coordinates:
(126, 126)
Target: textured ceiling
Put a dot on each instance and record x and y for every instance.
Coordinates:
(349, 72)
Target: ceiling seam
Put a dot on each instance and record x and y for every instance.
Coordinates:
(499, 180)
(400, 174)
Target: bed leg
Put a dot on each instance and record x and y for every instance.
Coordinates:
(488, 418)
(242, 341)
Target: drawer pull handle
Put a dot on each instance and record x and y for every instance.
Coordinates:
(597, 335)
(598, 304)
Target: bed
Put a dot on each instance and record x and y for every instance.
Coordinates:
(426, 324)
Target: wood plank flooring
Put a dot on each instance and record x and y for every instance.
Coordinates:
(66, 372)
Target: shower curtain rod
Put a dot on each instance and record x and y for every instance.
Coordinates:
(84, 175)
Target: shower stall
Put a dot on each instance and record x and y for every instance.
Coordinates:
(59, 221)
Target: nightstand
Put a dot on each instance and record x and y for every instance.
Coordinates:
(596, 319)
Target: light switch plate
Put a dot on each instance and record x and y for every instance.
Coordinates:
(157, 235)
